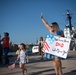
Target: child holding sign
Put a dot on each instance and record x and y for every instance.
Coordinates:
(53, 29)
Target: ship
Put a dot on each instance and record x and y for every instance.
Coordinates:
(69, 31)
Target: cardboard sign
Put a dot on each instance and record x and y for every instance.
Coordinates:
(55, 45)
(35, 49)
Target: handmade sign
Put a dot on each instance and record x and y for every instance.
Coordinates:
(56, 45)
(35, 49)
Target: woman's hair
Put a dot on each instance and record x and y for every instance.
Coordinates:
(23, 45)
(55, 26)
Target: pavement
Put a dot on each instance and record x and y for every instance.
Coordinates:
(42, 67)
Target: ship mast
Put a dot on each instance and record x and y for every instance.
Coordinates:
(69, 19)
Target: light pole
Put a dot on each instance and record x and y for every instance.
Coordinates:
(69, 18)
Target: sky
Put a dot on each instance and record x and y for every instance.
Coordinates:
(21, 18)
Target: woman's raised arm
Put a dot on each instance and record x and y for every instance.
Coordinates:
(46, 23)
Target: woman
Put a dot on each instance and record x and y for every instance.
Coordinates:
(56, 60)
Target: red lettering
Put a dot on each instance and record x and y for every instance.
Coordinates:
(62, 45)
(59, 44)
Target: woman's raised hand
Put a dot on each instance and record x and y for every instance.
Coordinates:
(41, 16)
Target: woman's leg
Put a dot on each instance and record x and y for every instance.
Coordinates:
(60, 67)
(56, 66)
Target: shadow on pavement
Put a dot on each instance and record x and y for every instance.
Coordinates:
(73, 72)
(44, 72)
(12, 73)
(40, 72)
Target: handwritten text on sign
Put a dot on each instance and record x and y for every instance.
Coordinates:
(55, 45)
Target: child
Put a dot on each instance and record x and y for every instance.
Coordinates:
(40, 43)
(23, 57)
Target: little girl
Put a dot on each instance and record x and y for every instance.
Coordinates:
(23, 57)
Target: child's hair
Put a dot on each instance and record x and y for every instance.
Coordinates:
(23, 45)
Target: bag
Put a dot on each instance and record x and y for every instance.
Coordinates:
(11, 67)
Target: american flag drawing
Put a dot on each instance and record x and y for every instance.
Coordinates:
(45, 47)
